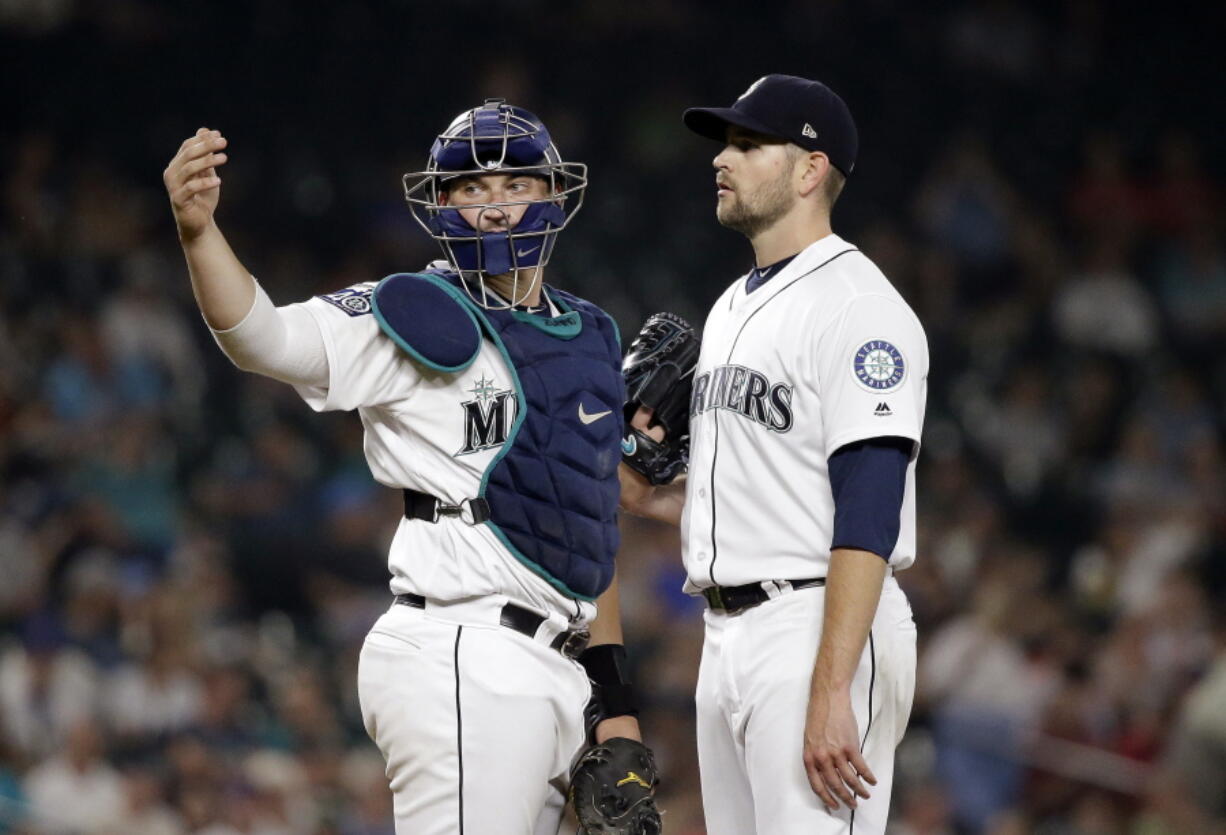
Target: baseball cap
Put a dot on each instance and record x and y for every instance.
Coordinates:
(805, 112)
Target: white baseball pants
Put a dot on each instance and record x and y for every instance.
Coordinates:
(753, 691)
(478, 723)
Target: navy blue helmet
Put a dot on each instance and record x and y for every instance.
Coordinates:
(496, 138)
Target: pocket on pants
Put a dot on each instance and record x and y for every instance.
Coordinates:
(385, 656)
(394, 642)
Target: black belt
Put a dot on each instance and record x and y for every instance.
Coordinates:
(732, 599)
(428, 508)
(570, 643)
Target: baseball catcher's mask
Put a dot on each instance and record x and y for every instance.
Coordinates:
(496, 138)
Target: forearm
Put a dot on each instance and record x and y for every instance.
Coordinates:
(664, 504)
(607, 629)
(223, 287)
(853, 589)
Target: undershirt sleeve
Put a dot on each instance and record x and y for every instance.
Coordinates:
(868, 479)
(284, 343)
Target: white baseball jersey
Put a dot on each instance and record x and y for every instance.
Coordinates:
(434, 432)
(478, 722)
(823, 354)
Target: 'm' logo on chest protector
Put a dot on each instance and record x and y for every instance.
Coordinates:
(746, 392)
(487, 417)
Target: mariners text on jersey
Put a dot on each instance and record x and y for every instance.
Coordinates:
(745, 391)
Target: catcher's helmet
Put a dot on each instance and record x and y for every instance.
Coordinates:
(495, 138)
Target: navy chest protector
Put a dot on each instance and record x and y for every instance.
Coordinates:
(552, 488)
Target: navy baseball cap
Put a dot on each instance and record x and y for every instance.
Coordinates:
(805, 112)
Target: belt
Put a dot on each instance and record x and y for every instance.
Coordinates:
(429, 508)
(732, 599)
(570, 642)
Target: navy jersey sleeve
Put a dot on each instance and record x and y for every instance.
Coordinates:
(868, 479)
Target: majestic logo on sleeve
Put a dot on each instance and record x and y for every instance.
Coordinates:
(487, 417)
(747, 392)
(879, 366)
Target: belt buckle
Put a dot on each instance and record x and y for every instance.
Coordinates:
(472, 511)
(715, 598)
(575, 643)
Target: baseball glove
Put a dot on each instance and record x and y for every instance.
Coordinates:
(659, 372)
(612, 789)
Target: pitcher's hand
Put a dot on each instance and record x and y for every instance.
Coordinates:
(832, 752)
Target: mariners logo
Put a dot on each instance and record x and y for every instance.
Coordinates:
(879, 366)
(353, 300)
(487, 417)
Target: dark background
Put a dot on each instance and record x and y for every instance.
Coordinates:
(190, 557)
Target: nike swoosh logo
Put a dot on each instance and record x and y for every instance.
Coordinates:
(629, 445)
(524, 253)
(587, 418)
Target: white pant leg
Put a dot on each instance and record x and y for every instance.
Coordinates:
(773, 648)
(478, 724)
(727, 803)
(549, 821)
(893, 689)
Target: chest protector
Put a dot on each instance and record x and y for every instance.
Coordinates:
(552, 488)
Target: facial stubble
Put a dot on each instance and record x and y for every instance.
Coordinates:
(756, 212)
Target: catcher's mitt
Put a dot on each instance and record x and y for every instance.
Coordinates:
(612, 789)
(659, 372)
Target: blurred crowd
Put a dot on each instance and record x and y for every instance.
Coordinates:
(190, 558)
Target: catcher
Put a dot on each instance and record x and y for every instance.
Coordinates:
(510, 482)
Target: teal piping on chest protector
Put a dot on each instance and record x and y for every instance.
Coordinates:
(552, 488)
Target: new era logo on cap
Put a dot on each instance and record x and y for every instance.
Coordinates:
(808, 131)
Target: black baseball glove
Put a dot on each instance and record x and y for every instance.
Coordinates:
(612, 789)
(659, 372)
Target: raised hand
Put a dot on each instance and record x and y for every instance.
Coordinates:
(192, 182)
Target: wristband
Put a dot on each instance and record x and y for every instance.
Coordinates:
(612, 692)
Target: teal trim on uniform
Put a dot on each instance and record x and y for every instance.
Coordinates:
(536, 569)
(567, 326)
(617, 332)
(409, 349)
(520, 414)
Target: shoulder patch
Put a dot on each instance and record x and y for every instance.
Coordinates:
(879, 366)
(353, 300)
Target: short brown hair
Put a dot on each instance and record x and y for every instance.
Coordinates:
(832, 186)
